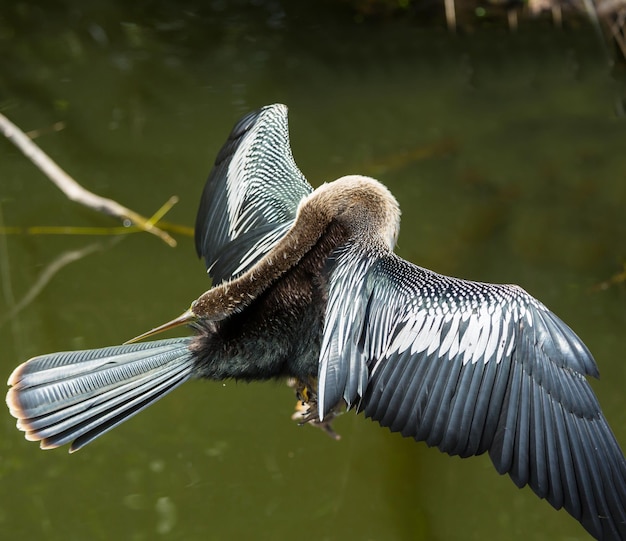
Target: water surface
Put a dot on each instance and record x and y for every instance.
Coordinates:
(506, 153)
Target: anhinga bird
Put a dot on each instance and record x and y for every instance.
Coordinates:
(308, 287)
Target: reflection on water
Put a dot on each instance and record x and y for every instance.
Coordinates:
(507, 158)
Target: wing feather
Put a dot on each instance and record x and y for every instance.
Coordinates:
(460, 416)
(251, 196)
(551, 483)
(472, 367)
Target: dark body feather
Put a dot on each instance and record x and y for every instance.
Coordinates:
(279, 333)
(306, 286)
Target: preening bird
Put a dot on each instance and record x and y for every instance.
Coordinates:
(306, 286)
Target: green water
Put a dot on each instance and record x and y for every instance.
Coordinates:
(506, 153)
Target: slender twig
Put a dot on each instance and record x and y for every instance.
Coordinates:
(72, 189)
(592, 13)
(108, 231)
(450, 14)
(47, 274)
(57, 126)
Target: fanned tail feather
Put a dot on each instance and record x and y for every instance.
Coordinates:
(76, 396)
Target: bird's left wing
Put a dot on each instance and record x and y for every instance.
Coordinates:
(472, 367)
(251, 196)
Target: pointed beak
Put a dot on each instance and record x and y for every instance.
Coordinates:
(186, 317)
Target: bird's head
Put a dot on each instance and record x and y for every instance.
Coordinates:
(363, 205)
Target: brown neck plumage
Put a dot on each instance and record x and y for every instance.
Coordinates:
(362, 205)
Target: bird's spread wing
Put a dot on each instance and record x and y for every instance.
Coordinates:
(471, 367)
(251, 196)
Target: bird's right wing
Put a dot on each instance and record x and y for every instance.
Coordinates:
(472, 367)
(251, 196)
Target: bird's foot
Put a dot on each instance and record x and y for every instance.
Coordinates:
(307, 411)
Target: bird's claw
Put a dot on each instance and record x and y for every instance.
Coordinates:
(307, 411)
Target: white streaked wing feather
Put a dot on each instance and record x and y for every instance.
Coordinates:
(261, 247)
(473, 367)
(451, 337)
(252, 192)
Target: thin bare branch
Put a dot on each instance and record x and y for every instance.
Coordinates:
(108, 231)
(47, 274)
(72, 189)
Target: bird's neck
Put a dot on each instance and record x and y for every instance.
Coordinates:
(365, 209)
(233, 296)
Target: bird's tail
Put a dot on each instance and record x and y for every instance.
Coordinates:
(75, 396)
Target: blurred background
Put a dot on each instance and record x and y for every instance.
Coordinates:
(501, 129)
